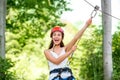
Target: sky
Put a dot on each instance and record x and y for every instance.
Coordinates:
(82, 11)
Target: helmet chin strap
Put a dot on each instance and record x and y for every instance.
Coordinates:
(55, 45)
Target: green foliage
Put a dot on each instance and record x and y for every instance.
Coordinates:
(31, 55)
(28, 19)
(34, 18)
(116, 53)
(5, 66)
(31, 19)
(91, 61)
(91, 64)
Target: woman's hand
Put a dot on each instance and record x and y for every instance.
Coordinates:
(89, 21)
(74, 48)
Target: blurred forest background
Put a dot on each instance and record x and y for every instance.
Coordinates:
(28, 23)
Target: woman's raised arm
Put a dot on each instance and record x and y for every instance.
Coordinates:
(78, 35)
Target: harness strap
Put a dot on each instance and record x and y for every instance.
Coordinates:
(60, 70)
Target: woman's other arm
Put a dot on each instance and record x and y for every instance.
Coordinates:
(59, 59)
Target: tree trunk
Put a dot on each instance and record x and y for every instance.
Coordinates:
(107, 39)
(2, 27)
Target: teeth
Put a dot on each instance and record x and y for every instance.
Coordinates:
(56, 40)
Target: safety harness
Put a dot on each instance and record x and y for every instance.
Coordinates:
(59, 71)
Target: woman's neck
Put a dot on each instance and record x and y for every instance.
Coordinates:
(56, 47)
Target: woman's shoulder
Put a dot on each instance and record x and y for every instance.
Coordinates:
(47, 50)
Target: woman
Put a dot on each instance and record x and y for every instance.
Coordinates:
(57, 54)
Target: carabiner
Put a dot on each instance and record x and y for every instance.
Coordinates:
(94, 12)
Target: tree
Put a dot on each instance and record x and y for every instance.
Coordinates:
(33, 18)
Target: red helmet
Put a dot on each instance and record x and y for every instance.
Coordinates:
(56, 28)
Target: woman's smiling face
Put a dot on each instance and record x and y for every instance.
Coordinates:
(57, 37)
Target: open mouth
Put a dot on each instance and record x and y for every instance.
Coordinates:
(56, 40)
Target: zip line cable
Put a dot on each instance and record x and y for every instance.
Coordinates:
(102, 11)
(109, 15)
